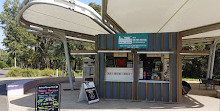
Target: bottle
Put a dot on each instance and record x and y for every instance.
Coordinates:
(144, 75)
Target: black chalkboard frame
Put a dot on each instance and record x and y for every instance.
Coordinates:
(51, 83)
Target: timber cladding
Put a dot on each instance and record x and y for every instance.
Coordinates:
(166, 92)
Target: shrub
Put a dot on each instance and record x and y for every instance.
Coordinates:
(60, 73)
(30, 72)
(3, 65)
(15, 72)
(27, 72)
(46, 72)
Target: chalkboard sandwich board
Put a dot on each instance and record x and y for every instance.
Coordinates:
(88, 92)
(47, 97)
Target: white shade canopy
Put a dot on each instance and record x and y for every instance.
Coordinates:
(126, 16)
(153, 16)
(72, 17)
(201, 38)
(162, 15)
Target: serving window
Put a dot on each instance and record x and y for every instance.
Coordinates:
(155, 67)
(119, 67)
(152, 67)
(119, 60)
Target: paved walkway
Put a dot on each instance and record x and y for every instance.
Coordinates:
(4, 81)
(195, 101)
(69, 103)
(3, 72)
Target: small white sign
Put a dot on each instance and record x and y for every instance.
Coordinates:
(88, 92)
(121, 74)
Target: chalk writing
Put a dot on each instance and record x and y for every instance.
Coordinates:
(47, 98)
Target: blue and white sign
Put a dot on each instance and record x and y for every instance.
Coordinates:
(133, 41)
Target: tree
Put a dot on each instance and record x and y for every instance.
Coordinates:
(96, 7)
(3, 65)
(197, 67)
(3, 55)
(35, 51)
(18, 40)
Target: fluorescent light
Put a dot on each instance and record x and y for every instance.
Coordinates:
(83, 53)
(112, 51)
(155, 52)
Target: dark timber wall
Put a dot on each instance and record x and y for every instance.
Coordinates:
(167, 92)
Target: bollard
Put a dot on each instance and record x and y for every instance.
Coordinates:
(56, 73)
(62, 73)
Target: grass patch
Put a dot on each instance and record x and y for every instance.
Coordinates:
(190, 79)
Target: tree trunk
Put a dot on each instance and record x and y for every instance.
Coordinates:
(15, 61)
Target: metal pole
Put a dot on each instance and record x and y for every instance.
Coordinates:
(213, 60)
(209, 62)
(68, 63)
(63, 38)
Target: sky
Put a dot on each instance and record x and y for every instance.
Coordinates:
(2, 36)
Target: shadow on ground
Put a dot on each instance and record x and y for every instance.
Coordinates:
(69, 101)
(202, 91)
(188, 102)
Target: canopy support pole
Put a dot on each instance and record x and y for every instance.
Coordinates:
(212, 62)
(63, 38)
(209, 62)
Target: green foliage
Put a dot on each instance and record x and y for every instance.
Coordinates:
(77, 73)
(190, 79)
(47, 72)
(27, 72)
(36, 52)
(3, 55)
(14, 72)
(18, 72)
(3, 64)
(78, 60)
(17, 40)
(96, 7)
(197, 67)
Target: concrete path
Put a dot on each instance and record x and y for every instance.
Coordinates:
(3, 72)
(69, 103)
(4, 81)
(4, 103)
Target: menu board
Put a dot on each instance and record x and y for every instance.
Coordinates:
(88, 92)
(47, 97)
(91, 92)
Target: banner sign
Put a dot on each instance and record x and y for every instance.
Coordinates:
(47, 97)
(134, 41)
(121, 74)
(88, 92)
